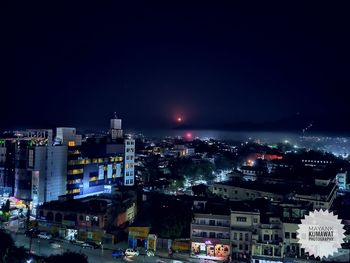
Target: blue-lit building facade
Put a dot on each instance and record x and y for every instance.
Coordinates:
(98, 163)
(39, 166)
(92, 169)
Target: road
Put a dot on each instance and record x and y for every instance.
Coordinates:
(42, 247)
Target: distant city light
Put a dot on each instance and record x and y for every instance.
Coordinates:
(179, 119)
(189, 135)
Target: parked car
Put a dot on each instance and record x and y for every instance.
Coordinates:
(150, 253)
(86, 245)
(55, 245)
(45, 235)
(131, 252)
(118, 253)
(93, 244)
(77, 242)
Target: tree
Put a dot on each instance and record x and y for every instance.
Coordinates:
(8, 251)
(224, 163)
(67, 257)
(6, 207)
(200, 190)
(173, 217)
(7, 246)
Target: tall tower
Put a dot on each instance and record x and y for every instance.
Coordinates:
(116, 127)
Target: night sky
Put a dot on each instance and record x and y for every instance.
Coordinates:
(74, 65)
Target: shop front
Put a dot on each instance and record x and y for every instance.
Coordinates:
(138, 237)
(214, 249)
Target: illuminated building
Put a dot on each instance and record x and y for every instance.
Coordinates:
(67, 136)
(37, 168)
(40, 168)
(86, 218)
(100, 163)
(341, 180)
(210, 231)
(92, 169)
(129, 162)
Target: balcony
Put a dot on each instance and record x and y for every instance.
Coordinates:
(205, 223)
(268, 242)
(206, 227)
(271, 226)
(217, 236)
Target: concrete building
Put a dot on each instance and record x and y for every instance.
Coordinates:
(210, 231)
(68, 137)
(320, 196)
(84, 219)
(40, 173)
(241, 191)
(91, 170)
(116, 131)
(244, 229)
(99, 163)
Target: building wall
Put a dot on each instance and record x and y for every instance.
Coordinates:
(94, 174)
(210, 236)
(129, 162)
(56, 172)
(23, 177)
(245, 219)
(40, 166)
(318, 201)
(290, 241)
(66, 134)
(243, 226)
(240, 194)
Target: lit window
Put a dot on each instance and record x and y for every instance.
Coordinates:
(71, 143)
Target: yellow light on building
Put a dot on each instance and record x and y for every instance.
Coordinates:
(71, 143)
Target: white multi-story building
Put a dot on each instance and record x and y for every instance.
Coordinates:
(244, 227)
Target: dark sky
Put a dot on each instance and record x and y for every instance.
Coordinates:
(74, 65)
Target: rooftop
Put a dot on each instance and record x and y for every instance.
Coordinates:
(95, 205)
